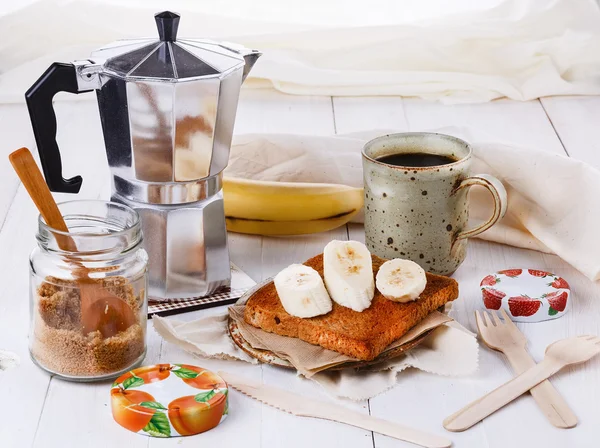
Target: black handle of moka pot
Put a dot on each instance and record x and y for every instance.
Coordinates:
(58, 78)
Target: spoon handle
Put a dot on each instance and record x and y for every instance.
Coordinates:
(490, 403)
(33, 181)
(549, 400)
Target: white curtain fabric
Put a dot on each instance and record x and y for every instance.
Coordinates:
(458, 51)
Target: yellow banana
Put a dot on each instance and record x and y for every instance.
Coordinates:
(287, 208)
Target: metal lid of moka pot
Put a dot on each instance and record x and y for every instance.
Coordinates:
(167, 108)
(168, 58)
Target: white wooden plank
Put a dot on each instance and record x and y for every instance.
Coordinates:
(271, 111)
(243, 424)
(27, 385)
(354, 114)
(419, 399)
(245, 252)
(277, 254)
(576, 122)
(82, 148)
(423, 400)
(15, 132)
(302, 115)
(522, 123)
(87, 404)
(431, 398)
(79, 136)
(87, 407)
(262, 257)
(81, 411)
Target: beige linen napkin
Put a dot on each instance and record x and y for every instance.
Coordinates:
(553, 200)
(450, 350)
(310, 359)
(207, 337)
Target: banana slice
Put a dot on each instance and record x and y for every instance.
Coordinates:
(302, 292)
(348, 272)
(401, 280)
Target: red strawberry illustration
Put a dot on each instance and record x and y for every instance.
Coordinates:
(511, 272)
(492, 298)
(537, 273)
(489, 280)
(523, 306)
(557, 300)
(559, 283)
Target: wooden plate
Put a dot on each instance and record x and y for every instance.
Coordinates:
(268, 357)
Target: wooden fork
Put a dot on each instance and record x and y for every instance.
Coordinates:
(558, 355)
(505, 337)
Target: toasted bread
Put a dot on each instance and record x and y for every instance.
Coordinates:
(361, 335)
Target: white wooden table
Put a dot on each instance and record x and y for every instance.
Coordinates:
(37, 410)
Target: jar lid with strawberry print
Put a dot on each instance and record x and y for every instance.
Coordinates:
(527, 295)
(169, 400)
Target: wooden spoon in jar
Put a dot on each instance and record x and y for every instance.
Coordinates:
(100, 309)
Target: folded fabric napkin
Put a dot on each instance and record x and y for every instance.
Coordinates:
(449, 350)
(453, 51)
(309, 359)
(553, 200)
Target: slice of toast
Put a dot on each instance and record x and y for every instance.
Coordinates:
(361, 335)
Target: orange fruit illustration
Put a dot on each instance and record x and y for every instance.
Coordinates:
(149, 374)
(126, 410)
(189, 416)
(205, 380)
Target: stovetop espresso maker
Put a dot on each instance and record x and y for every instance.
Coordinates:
(167, 109)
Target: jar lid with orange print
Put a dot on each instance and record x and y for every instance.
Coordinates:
(169, 400)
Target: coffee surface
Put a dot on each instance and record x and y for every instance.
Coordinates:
(416, 159)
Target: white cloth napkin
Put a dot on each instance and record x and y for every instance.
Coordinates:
(207, 337)
(450, 350)
(553, 200)
(458, 51)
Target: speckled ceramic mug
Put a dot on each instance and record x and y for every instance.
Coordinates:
(421, 213)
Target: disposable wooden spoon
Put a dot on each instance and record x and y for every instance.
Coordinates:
(558, 355)
(504, 336)
(100, 309)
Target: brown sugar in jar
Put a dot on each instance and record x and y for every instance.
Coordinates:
(115, 260)
(59, 344)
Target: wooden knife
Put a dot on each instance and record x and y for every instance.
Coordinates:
(306, 407)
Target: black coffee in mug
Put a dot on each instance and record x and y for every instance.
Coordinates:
(416, 159)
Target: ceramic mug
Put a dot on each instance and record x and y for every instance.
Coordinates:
(421, 213)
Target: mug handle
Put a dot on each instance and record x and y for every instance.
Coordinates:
(495, 187)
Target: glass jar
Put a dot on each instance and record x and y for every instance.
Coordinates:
(70, 276)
